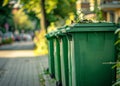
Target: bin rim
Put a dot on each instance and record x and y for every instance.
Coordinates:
(83, 27)
(51, 34)
(62, 30)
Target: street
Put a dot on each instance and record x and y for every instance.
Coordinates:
(19, 66)
(17, 49)
(18, 46)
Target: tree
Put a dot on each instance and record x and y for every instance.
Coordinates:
(97, 11)
(43, 16)
(5, 16)
(49, 10)
(22, 21)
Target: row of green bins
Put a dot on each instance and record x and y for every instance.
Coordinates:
(83, 54)
(57, 59)
(91, 53)
(63, 56)
(54, 57)
(50, 38)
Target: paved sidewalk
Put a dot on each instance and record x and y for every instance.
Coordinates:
(24, 72)
(17, 53)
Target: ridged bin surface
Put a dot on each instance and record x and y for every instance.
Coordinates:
(51, 57)
(92, 50)
(64, 60)
(57, 60)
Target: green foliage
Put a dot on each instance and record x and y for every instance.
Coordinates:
(46, 71)
(117, 66)
(117, 42)
(55, 9)
(51, 18)
(42, 80)
(2, 29)
(22, 21)
(99, 15)
(7, 41)
(98, 12)
(6, 15)
(64, 7)
(50, 5)
(5, 2)
(31, 7)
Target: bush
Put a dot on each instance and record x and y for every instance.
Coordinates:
(40, 43)
(117, 66)
(7, 41)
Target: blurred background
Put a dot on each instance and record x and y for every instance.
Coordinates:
(24, 23)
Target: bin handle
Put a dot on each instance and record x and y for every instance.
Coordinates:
(109, 62)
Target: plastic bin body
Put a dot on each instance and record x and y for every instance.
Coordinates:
(64, 60)
(69, 59)
(57, 60)
(92, 52)
(51, 57)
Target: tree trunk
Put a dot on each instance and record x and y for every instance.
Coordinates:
(43, 24)
(95, 5)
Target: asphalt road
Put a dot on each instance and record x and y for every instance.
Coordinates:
(18, 46)
(17, 49)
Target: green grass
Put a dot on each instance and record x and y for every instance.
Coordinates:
(42, 80)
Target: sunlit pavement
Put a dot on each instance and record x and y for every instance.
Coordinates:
(16, 53)
(19, 66)
(17, 49)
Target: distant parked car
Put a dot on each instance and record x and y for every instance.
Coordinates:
(26, 37)
(17, 37)
(8, 35)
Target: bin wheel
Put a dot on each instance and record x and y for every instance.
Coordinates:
(58, 83)
(52, 76)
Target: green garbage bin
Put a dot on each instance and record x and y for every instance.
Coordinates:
(64, 56)
(92, 52)
(57, 58)
(50, 39)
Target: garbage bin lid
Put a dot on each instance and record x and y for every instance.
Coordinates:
(83, 27)
(62, 31)
(49, 35)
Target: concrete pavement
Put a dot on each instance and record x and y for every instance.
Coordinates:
(19, 66)
(24, 72)
(16, 53)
